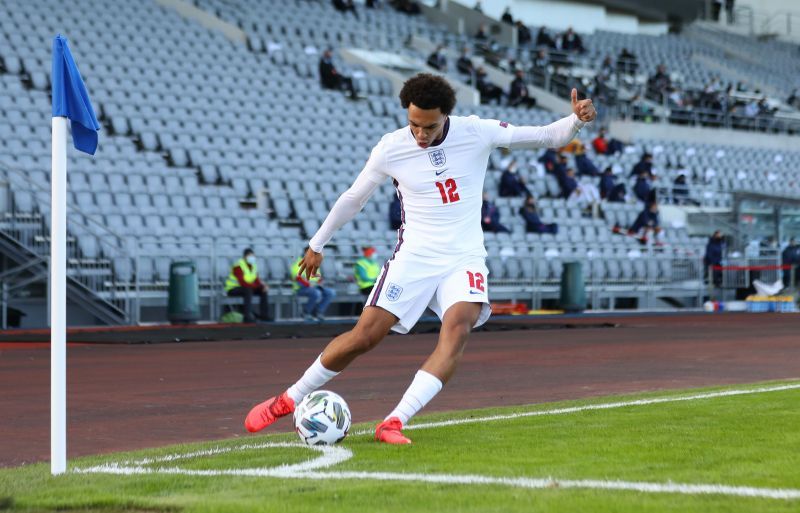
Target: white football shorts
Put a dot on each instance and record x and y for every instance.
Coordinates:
(408, 284)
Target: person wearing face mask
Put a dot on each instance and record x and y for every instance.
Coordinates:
(244, 282)
(366, 270)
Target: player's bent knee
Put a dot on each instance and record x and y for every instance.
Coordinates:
(364, 340)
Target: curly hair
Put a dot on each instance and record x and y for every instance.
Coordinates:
(428, 91)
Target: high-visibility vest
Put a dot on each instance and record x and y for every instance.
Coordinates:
(369, 268)
(295, 269)
(250, 275)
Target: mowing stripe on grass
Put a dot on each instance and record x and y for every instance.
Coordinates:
(602, 406)
(333, 455)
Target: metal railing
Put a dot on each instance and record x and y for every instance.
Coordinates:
(28, 228)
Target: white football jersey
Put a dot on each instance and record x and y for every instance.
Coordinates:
(440, 187)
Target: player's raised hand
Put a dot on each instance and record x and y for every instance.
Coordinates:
(584, 109)
(310, 264)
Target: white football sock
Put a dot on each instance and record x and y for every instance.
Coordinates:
(424, 387)
(316, 376)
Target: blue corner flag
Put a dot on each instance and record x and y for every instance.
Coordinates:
(70, 99)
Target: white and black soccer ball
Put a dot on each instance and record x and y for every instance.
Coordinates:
(322, 418)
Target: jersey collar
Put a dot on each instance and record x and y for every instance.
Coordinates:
(440, 140)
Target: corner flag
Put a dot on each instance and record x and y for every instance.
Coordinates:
(70, 101)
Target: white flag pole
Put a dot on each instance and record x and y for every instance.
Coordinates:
(58, 300)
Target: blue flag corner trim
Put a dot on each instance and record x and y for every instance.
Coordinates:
(70, 99)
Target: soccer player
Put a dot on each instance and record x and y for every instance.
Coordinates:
(437, 164)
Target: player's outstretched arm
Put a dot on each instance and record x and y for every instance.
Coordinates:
(346, 207)
(555, 134)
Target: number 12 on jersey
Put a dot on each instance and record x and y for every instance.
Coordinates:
(448, 191)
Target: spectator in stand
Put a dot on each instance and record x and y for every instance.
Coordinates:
(713, 257)
(606, 146)
(395, 213)
(626, 62)
(584, 195)
(244, 282)
(406, 6)
(544, 39)
(489, 91)
(571, 41)
(716, 8)
(464, 63)
(541, 60)
(330, 78)
(344, 6)
(659, 85)
(794, 99)
(680, 190)
(490, 216)
(506, 17)
(511, 184)
(610, 190)
(549, 159)
(729, 13)
(791, 256)
(533, 223)
(642, 188)
(644, 166)
(643, 171)
(606, 68)
(319, 297)
(583, 164)
(524, 36)
(567, 182)
(437, 59)
(482, 34)
(646, 222)
(518, 92)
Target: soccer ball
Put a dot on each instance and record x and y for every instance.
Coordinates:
(322, 418)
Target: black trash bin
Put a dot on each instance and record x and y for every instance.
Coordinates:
(573, 291)
(184, 293)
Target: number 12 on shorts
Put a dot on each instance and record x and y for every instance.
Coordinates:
(476, 281)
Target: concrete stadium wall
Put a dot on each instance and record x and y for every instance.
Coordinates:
(559, 15)
(630, 130)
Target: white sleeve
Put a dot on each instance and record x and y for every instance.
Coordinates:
(494, 132)
(353, 199)
(554, 135)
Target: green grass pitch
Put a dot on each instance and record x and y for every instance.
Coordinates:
(715, 453)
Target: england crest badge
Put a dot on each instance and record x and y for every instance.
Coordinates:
(393, 292)
(437, 158)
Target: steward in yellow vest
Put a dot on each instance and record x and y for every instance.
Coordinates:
(366, 270)
(243, 281)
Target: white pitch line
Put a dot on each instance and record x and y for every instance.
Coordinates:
(333, 455)
(551, 483)
(601, 406)
(295, 472)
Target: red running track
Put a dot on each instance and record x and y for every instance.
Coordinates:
(124, 397)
